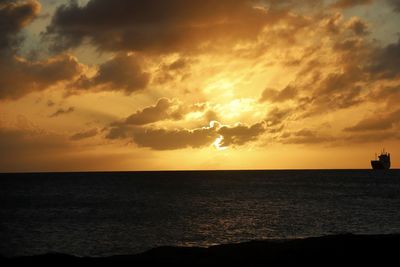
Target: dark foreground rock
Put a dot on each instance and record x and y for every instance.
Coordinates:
(339, 250)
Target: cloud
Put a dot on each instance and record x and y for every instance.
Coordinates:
(119, 131)
(178, 64)
(176, 70)
(358, 26)
(37, 150)
(278, 115)
(348, 45)
(338, 90)
(390, 94)
(14, 140)
(333, 23)
(273, 95)
(62, 111)
(328, 82)
(348, 83)
(15, 15)
(84, 135)
(50, 103)
(371, 137)
(350, 3)
(325, 79)
(395, 4)
(163, 139)
(19, 76)
(305, 136)
(158, 26)
(172, 139)
(385, 63)
(163, 110)
(121, 73)
(378, 122)
(24, 150)
(240, 134)
(211, 115)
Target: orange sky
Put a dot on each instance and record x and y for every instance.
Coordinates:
(174, 84)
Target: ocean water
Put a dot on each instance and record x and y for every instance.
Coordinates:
(101, 214)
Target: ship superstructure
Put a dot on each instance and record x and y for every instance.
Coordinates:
(382, 162)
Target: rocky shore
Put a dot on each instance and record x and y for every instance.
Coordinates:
(336, 250)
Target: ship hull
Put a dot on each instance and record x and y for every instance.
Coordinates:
(379, 165)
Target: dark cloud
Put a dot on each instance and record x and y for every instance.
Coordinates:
(273, 95)
(177, 70)
(84, 135)
(241, 134)
(119, 131)
(14, 15)
(278, 115)
(358, 26)
(158, 26)
(333, 23)
(337, 82)
(178, 64)
(354, 84)
(349, 83)
(19, 76)
(385, 62)
(163, 139)
(388, 94)
(171, 139)
(348, 45)
(163, 110)
(50, 103)
(122, 73)
(62, 111)
(326, 82)
(377, 122)
(395, 4)
(338, 91)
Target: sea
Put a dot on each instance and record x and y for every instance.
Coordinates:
(116, 213)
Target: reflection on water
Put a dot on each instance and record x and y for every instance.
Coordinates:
(98, 214)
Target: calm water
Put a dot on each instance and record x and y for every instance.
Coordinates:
(98, 214)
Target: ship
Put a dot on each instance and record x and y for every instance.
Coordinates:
(382, 162)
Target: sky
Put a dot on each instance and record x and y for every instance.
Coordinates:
(128, 85)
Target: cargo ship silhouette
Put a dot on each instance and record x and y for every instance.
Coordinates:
(382, 162)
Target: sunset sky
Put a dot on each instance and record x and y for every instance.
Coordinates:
(201, 84)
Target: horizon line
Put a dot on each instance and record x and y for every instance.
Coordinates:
(193, 170)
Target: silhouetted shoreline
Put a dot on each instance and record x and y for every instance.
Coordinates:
(317, 251)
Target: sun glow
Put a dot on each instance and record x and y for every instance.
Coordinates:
(218, 144)
(223, 88)
(236, 108)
